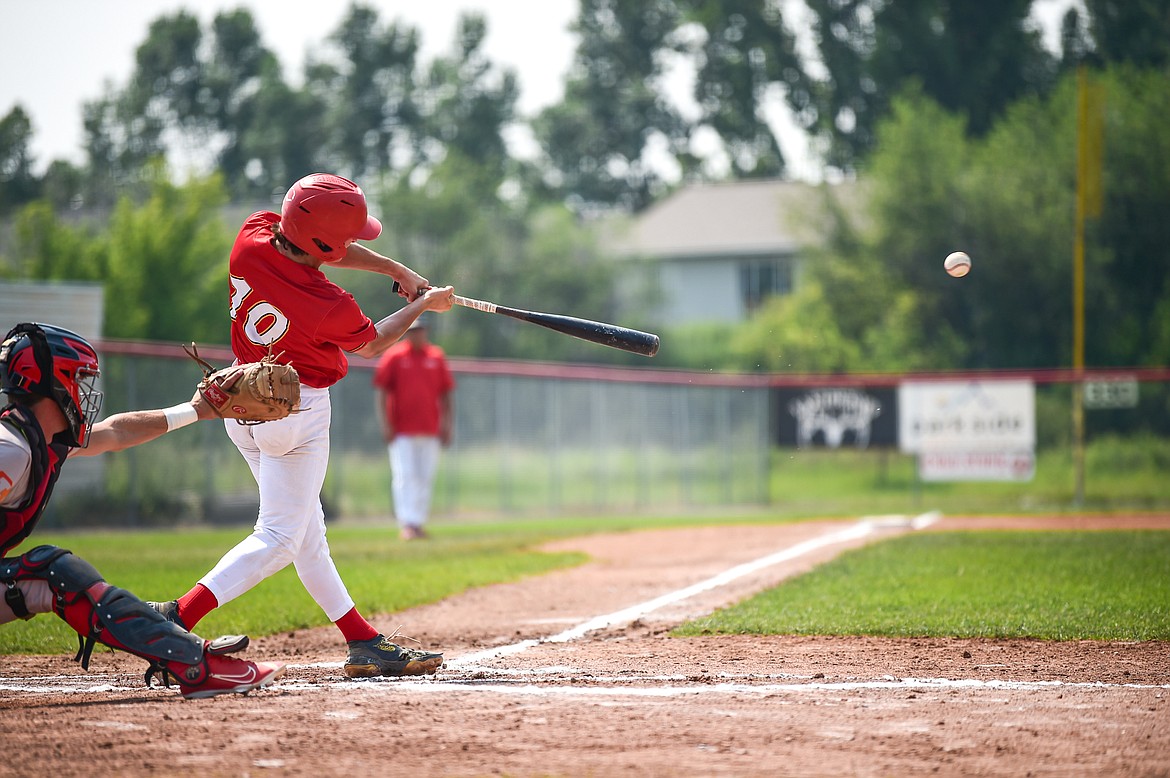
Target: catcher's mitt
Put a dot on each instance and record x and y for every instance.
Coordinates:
(250, 393)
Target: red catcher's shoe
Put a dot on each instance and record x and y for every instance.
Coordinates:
(219, 674)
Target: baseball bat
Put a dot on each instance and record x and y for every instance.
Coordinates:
(624, 338)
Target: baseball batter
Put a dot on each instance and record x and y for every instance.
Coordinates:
(281, 301)
(48, 374)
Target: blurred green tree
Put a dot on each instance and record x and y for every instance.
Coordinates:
(468, 102)
(18, 182)
(46, 249)
(973, 59)
(162, 263)
(1007, 199)
(125, 128)
(744, 49)
(368, 92)
(1136, 32)
(166, 277)
(598, 141)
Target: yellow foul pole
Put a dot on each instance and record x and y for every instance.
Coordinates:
(1089, 201)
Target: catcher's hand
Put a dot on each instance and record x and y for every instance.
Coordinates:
(250, 393)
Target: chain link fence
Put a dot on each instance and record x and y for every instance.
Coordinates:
(528, 439)
(535, 439)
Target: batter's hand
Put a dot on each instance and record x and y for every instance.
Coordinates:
(438, 298)
(410, 286)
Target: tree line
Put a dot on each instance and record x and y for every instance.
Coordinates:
(954, 117)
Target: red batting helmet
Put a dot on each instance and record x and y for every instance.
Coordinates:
(45, 361)
(322, 214)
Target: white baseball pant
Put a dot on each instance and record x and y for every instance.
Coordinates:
(288, 458)
(414, 460)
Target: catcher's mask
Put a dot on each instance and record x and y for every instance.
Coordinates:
(322, 214)
(41, 360)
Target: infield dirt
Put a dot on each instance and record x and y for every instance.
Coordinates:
(624, 700)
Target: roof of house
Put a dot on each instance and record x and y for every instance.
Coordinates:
(743, 217)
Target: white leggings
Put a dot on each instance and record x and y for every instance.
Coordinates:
(288, 459)
(38, 598)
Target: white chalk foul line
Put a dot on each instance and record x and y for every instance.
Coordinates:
(610, 686)
(628, 687)
(618, 618)
(631, 614)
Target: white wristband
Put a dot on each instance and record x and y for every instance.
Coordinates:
(180, 416)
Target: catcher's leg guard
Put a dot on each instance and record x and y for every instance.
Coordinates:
(106, 614)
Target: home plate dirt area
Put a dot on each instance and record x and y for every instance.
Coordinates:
(573, 674)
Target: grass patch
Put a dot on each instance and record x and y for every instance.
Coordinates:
(1112, 585)
(1120, 475)
(383, 574)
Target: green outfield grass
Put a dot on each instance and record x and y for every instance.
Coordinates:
(383, 574)
(1055, 585)
(1108, 585)
(1120, 475)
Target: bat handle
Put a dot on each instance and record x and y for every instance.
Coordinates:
(466, 302)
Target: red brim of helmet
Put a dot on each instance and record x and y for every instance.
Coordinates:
(372, 229)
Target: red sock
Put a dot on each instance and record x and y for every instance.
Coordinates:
(196, 604)
(354, 627)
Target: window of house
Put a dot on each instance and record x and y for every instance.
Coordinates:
(760, 279)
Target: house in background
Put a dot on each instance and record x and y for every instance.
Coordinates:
(714, 252)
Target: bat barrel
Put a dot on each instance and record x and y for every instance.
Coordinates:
(624, 338)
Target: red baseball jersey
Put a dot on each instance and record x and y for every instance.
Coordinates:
(414, 380)
(307, 318)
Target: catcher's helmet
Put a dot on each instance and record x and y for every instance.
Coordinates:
(322, 214)
(42, 360)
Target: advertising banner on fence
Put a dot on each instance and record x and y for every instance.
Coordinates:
(993, 415)
(836, 416)
(976, 466)
(969, 430)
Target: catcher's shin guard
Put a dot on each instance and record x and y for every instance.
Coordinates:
(105, 614)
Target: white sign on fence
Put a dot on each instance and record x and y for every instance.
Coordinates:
(1112, 393)
(976, 465)
(993, 415)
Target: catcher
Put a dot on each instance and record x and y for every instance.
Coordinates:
(48, 374)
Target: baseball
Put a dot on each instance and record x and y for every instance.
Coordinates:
(958, 264)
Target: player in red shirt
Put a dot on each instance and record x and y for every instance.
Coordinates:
(281, 301)
(415, 407)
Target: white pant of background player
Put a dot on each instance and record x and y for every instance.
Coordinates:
(414, 460)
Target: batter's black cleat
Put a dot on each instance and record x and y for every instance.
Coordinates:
(170, 610)
(378, 656)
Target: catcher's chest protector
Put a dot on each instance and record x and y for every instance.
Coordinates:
(47, 458)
